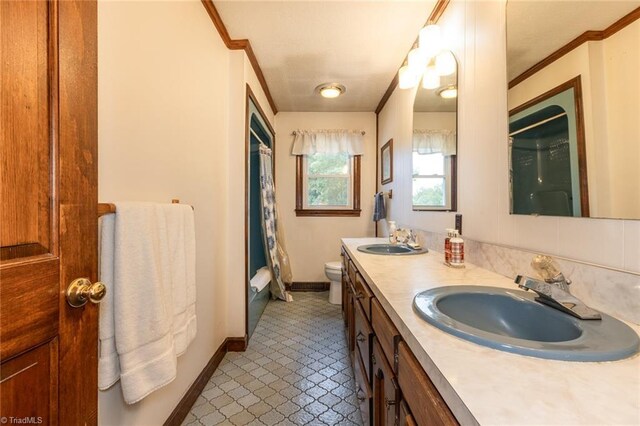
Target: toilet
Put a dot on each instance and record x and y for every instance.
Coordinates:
(333, 271)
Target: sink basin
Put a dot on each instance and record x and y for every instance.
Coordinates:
(512, 321)
(389, 249)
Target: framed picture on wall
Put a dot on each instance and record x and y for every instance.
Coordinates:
(386, 162)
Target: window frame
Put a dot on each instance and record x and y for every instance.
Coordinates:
(450, 178)
(331, 211)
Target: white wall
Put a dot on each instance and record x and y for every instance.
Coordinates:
(476, 31)
(171, 125)
(312, 241)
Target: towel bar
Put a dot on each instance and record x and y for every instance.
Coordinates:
(390, 193)
(109, 208)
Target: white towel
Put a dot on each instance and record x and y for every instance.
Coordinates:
(152, 310)
(261, 279)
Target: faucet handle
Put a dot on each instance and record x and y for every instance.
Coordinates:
(547, 268)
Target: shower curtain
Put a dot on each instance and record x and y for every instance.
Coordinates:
(276, 255)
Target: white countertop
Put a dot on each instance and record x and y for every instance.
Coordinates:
(486, 386)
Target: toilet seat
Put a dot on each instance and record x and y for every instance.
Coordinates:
(336, 266)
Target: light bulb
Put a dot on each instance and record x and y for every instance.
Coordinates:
(430, 40)
(407, 78)
(446, 63)
(330, 92)
(417, 61)
(431, 78)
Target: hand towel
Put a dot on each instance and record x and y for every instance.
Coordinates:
(379, 209)
(108, 362)
(142, 300)
(261, 279)
(182, 246)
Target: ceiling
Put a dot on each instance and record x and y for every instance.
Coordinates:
(535, 29)
(301, 44)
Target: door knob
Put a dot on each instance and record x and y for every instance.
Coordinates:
(80, 291)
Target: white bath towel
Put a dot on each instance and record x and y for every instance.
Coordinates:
(152, 308)
(261, 279)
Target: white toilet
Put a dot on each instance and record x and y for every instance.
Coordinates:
(333, 271)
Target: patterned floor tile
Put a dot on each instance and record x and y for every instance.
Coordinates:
(296, 371)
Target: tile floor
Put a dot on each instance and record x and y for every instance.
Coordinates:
(296, 371)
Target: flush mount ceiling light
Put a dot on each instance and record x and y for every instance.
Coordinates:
(448, 92)
(330, 90)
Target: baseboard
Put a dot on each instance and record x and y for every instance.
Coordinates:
(230, 344)
(237, 344)
(309, 286)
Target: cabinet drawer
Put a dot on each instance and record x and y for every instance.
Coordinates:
(351, 271)
(363, 334)
(404, 416)
(363, 391)
(363, 294)
(385, 390)
(423, 399)
(386, 333)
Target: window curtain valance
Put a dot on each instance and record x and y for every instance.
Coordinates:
(328, 142)
(434, 141)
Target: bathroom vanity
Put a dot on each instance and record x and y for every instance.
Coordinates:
(408, 372)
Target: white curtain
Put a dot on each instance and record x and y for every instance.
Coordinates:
(328, 141)
(433, 141)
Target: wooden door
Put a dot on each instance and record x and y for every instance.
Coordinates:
(48, 210)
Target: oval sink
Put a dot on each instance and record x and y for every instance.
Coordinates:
(389, 249)
(512, 321)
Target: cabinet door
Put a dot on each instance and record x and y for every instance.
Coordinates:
(363, 334)
(363, 391)
(385, 390)
(423, 399)
(351, 341)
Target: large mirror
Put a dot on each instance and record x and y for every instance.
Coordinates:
(435, 141)
(574, 108)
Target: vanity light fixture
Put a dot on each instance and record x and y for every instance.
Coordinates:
(330, 90)
(407, 77)
(445, 63)
(431, 78)
(430, 40)
(417, 60)
(448, 92)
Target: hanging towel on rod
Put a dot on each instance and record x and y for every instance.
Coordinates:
(147, 262)
(379, 208)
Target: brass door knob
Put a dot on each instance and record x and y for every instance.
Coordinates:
(81, 291)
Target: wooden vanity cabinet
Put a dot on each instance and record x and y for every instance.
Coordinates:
(404, 415)
(385, 390)
(392, 387)
(364, 333)
(421, 396)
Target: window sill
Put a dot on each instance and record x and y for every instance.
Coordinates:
(328, 213)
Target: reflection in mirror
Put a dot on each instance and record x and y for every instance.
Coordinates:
(574, 101)
(435, 145)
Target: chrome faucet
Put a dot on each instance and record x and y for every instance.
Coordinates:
(554, 290)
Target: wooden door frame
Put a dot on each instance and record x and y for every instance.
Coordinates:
(251, 97)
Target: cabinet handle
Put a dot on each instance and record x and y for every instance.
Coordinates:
(359, 295)
(360, 337)
(373, 359)
(389, 402)
(360, 398)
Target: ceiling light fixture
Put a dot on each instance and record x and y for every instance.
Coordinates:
(407, 77)
(446, 63)
(431, 78)
(448, 92)
(330, 90)
(430, 40)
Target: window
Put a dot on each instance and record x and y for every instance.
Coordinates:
(432, 181)
(328, 185)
